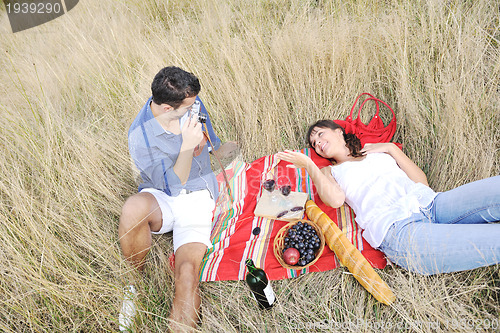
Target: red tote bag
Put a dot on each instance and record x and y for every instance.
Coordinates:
(375, 130)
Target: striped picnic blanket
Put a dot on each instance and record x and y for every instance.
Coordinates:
(234, 223)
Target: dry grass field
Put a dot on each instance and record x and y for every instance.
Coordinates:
(70, 88)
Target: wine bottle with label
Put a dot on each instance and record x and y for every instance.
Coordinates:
(259, 285)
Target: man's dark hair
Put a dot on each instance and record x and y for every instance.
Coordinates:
(172, 85)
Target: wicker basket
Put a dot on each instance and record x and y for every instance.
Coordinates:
(279, 244)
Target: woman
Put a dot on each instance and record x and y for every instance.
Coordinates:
(417, 228)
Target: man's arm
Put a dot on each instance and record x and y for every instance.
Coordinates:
(156, 169)
(191, 136)
(160, 167)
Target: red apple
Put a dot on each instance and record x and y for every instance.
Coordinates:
(291, 256)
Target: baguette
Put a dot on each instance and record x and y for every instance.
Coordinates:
(349, 255)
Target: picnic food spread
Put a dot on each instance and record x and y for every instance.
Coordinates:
(303, 236)
(308, 238)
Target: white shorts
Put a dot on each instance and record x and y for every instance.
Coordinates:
(189, 216)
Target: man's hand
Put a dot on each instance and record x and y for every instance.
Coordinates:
(192, 134)
(201, 145)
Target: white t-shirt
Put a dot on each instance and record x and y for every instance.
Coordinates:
(380, 193)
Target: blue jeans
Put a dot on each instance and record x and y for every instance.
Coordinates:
(454, 233)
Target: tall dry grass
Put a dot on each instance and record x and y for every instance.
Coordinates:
(70, 89)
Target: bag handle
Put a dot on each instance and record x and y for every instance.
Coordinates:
(376, 100)
(378, 107)
(349, 117)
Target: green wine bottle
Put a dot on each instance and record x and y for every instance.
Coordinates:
(259, 285)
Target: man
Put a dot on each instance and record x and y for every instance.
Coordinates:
(177, 193)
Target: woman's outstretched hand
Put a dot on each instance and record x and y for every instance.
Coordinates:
(297, 159)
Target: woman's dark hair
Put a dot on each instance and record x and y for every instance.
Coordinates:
(351, 140)
(172, 85)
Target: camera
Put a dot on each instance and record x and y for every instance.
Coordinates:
(195, 112)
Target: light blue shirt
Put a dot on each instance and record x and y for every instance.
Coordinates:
(155, 152)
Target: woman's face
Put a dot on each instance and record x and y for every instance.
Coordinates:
(326, 141)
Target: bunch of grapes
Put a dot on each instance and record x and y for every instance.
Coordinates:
(304, 238)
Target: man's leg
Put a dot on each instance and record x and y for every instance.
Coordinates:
(186, 304)
(140, 215)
